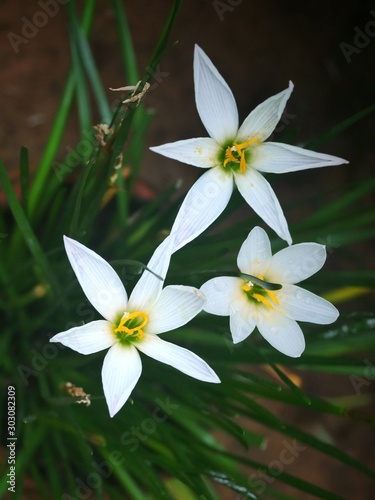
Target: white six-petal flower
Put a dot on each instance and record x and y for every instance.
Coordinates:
(274, 310)
(234, 154)
(132, 325)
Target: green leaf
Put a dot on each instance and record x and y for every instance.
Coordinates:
(27, 231)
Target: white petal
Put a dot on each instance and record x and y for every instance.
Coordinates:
(178, 357)
(87, 339)
(280, 158)
(149, 286)
(296, 263)
(255, 253)
(202, 152)
(203, 204)
(262, 121)
(283, 333)
(121, 370)
(214, 99)
(262, 199)
(302, 305)
(241, 321)
(98, 280)
(175, 307)
(220, 292)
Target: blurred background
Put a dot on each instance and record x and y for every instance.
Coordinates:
(326, 48)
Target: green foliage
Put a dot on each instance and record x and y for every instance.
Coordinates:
(167, 440)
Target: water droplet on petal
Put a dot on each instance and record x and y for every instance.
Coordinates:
(308, 301)
(274, 330)
(299, 294)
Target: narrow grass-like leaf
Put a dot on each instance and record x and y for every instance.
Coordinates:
(82, 45)
(58, 127)
(27, 232)
(338, 129)
(83, 104)
(297, 483)
(24, 176)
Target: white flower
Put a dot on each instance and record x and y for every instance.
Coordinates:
(259, 301)
(132, 325)
(234, 154)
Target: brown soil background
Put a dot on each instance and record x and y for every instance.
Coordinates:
(258, 47)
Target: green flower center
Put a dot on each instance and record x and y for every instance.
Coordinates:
(256, 293)
(130, 327)
(237, 156)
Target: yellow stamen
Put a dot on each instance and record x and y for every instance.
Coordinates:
(273, 297)
(259, 293)
(229, 156)
(240, 150)
(247, 287)
(136, 331)
(264, 300)
(271, 294)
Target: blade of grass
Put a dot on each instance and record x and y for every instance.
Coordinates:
(58, 127)
(24, 176)
(338, 129)
(27, 232)
(80, 42)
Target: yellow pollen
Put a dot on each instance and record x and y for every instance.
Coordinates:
(240, 150)
(269, 301)
(247, 287)
(136, 331)
(273, 297)
(264, 300)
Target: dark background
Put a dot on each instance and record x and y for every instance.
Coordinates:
(257, 47)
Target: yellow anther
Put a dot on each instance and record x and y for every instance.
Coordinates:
(135, 330)
(246, 288)
(264, 300)
(229, 156)
(260, 293)
(239, 149)
(272, 296)
(243, 163)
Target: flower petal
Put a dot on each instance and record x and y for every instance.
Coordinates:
(178, 357)
(255, 253)
(241, 321)
(220, 292)
(203, 204)
(87, 339)
(262, 199)
(280, 158)
(296, 263)
(98, 280)
(121, 370)
(175, 307)
(149, 286)
(262, 121)
(214, 99)
(283, 333)
(302, 305)
(202, 152)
